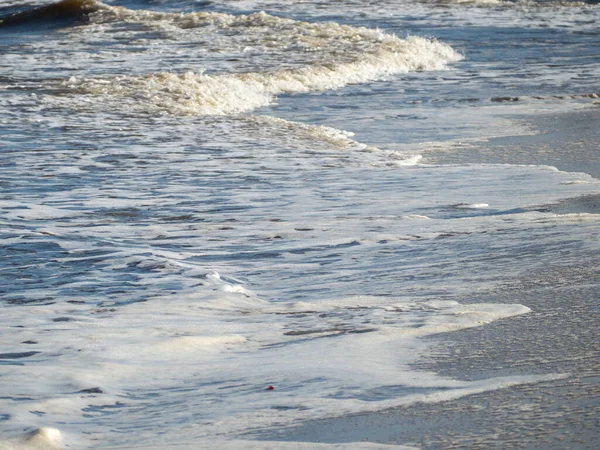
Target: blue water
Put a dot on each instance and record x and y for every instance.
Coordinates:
(193, 208)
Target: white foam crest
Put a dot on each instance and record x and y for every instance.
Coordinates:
(404, 159)
(44, 438)
(332, 136)
(471, 205)
(200, 94)
(341, 55)
(215, 279)
(188, 93)
(392, 56)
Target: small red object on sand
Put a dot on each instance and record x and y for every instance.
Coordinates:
(270, 388)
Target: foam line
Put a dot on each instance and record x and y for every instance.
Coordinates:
(366, 55)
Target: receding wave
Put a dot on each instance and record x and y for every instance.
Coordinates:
(322, 57)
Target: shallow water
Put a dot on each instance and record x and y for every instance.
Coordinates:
(186, 222)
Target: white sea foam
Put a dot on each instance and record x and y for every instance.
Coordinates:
(315, 360)
(259, 292)
(41, 439)
(332, 136)
(165, 270)
(339, 55)
(472, 205)
(402, 159)
(199, 94)
(214, 351)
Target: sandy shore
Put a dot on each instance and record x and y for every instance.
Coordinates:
(560, 336)
(568, 141)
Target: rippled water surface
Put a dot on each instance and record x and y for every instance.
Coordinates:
(228, 216)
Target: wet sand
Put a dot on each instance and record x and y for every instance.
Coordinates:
(559, 336)
(568, 141)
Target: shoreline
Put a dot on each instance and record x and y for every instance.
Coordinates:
(550, 415)
(557, 337)
(565, 140)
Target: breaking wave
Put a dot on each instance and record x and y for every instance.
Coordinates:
(315, 57)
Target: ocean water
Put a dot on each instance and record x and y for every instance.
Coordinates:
(226, 216)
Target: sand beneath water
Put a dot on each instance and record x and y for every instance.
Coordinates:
(559, 336)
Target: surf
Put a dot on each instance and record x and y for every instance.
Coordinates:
(300, 57)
